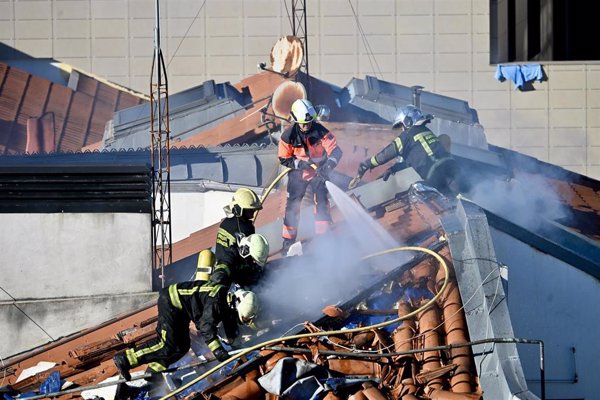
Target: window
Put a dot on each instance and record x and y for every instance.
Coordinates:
(544, 30)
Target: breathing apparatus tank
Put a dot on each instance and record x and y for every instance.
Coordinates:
(206, 262)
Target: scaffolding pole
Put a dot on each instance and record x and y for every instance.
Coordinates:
(300, 30)
(160, 153)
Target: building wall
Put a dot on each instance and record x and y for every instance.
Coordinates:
(440, 44)
(69, 255)
(193, 211)
(64, 272)
(27, 324)
(563, 316)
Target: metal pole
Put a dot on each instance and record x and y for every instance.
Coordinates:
(159, 126)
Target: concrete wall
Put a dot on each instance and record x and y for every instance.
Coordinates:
(193, 211)
(69, 272)
(440, 44)
(563, 316)
(69, 255)
(29, 324)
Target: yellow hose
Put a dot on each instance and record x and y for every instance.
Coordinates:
(271, 186)
(338, 332)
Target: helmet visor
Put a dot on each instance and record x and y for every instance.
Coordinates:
(247, 320)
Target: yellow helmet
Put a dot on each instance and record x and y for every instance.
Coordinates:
(243, 199)
(255, 246)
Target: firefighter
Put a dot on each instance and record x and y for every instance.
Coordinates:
(312, 152)
(198, 301)
(419, 148)
(231, 266)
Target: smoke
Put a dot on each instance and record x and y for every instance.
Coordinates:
(527, 199)
(331, 271)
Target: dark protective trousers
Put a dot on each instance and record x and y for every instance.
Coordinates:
(173, 339)
(446, 176)
(296, 190)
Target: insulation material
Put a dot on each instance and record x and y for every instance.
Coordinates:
(32, 371)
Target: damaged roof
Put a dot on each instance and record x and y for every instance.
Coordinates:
(423, 362)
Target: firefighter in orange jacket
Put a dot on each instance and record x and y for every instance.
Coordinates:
(312, 152)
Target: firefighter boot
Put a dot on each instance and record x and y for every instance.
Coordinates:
(122, 364)
(287, 243)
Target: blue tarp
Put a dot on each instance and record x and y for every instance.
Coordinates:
(52, 384)
(385, 301)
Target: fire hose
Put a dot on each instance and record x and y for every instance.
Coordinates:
(336, 332)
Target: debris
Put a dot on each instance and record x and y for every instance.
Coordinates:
(40, 367)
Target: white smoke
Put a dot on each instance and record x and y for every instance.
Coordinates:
(332, 270)
(526, 199)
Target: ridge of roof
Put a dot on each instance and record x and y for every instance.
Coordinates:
(68, 68)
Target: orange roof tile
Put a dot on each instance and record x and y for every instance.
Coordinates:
(77, 116)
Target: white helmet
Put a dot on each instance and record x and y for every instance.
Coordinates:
(255, 246)
(247, 305)
(408, 116)
(303, 112)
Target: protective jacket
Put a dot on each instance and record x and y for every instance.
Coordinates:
(178, 304)
(230, 266)
(419, 147)
(296, 149)
(317, 145)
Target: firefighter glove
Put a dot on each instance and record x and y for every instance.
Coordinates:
(364, 167)
(302, 164)
(221, 354)
(393, 169)
(388, 173)
(233, 342)
(326, 168)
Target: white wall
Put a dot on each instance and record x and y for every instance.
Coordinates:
(194, 211)
(68, 255)
(563, 315)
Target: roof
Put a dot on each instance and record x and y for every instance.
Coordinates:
(38, 115)
(413, 218)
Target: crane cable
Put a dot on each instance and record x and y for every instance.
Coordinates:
(336, 332)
